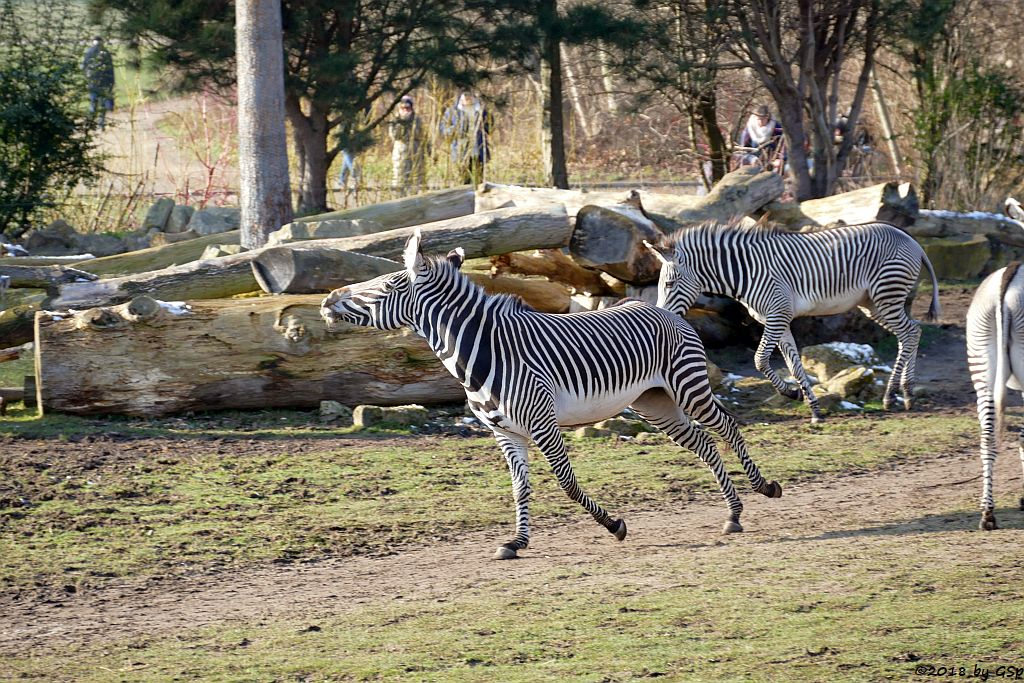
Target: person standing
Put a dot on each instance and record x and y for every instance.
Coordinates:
(467, 125)
(763, 134)
(98, 66)
(407, 148)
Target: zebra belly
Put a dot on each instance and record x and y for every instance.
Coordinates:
(839, 303)
(572, 410)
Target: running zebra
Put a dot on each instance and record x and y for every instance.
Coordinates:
(782, 275)
(528, 373)
(995, 356)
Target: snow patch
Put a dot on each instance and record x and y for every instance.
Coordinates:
(175, 307)
(858, 353)
(846, 405)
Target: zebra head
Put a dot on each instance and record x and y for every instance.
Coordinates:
(386, 302)
(677, 281)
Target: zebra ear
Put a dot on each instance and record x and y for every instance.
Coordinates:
(657, 252)
(457, 256)
(412, 257)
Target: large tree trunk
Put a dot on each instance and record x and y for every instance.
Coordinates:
(557, 267)
(399, 213)
(552, 105)
(310, 134)
(739, 193)
(264, 190)
(227, 354)
(155, 258)
(19, 308)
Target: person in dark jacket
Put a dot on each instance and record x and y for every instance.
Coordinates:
(467, 125)
(98, 66)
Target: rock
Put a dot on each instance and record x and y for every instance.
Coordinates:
(852, 326)
(218, 250)
(161, 238)
(592, 432)
(332, 411)
(322, 229)
(179, 218)
(56, 239)
(825, 361)
(849, 383)
(232, 215)
(651, 437)
(960, 257)
(208, 222)
(98, 244)
(619, 425)
(828, 401)
(158, 214)
(715, 376)
(369, 416)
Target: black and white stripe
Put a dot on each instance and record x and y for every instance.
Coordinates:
(995, 356)
(781, 275)
(528, 373)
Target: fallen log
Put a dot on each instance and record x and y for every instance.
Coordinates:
(661, 207)
(155, 258)
(43, 277)
(739, 193)
(20, 306)
(557, 267)
(308, 270)
(486, 234)
(13, 353)
(610, 239)
(889, 202)
(541, 295)
(272, 352)
(427, 207)
(953, 224)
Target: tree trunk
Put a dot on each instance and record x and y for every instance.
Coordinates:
(557, 267)
(155, 258)
(739, 193)
(611, 239)
(310, 134)
(227, 354)
(298, 270)
(264, 189)
(20, 306)
(574, 94)
(399, 213)
(707, 115)
(43, 277)
(552, 107)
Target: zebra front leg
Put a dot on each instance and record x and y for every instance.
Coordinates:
(718, 420)
(762, 358)
(791, 354)
(515, 449)
(552, 445)
(662, 411)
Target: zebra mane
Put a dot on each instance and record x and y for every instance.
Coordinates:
(717, 229)
(459, 281)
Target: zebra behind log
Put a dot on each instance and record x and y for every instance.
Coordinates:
(995, 356)
(528, 373)
(782, 275)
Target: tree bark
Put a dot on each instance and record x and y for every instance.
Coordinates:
(310, 134)
(557, 267)
(155, 258)
(20, 306)
(400, 213)
(241, 354)
(611, 239)
(264, 189)
(552, 105)
(301, 270)
(739, 193)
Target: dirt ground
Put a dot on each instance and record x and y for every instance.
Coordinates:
(864, 505)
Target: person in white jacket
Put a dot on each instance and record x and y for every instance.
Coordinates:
(762, 132)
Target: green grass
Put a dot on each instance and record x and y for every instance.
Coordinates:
(298, 493)
(870, 605)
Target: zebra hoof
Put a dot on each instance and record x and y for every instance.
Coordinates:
(817, 419)
(505, 552)
(619, 530)
(792, 393)
(988, 521)
(772, 490)
(732, 527)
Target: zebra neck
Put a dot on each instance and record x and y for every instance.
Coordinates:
(459, 328)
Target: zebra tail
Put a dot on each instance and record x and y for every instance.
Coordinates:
(934, 309)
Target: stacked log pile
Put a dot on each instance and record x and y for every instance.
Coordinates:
(107, 341)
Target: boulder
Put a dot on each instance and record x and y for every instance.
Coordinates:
(828, 401)
(369, 416)
(158, 214)
(620, 425)
(960, 257)
(305, 230)
(333, 411)
(852, 326)
(851, 382)
(592, 432)
(232, 215)
(208, 222)
(98, 244)
(163, 238)
(56, 239)
(825, 361)
(179, 218)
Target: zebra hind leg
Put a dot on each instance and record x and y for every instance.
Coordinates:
(515, 450)
(892, 315)
(659, 409)
(791, 354)
(552, 445)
